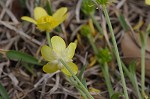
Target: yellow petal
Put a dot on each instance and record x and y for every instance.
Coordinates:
(60, 20)
(71, 50)
(58, 44)
(60, 13)
(50, 68)
(147, 2)
(72, 66)
(39, 12)
(26, 18)
(47, 53)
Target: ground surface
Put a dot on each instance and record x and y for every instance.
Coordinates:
(28, 81)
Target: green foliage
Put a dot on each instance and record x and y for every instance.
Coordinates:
(131, 73)
(115, 96)
(123, 22)
(3, 92)
(148, 29)
(132, 68)
(102, 2)
(48, 7)
(85, 30)
(142, 38)
(81, 76)
(104, 55)
(20, 56)
(88, 7)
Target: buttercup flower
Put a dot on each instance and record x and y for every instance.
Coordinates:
(46, 22)
(147, 2)
(57, 52)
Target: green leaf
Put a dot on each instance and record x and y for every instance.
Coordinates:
(123, 22)
(142, 38)
(148, 29)
(3, 92)
(132, 67)
(104, 55)
(115, 96)
(88, 7)
(20, 56)
(102, 2)
(48, 7)
(80, 76)
(84, 82)
(85, 30)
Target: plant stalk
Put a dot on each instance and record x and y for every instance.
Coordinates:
(133, 80)
(104, 68)
(143, 65)
(107, 79)
(96, 24)
(48, 39)
(116, 51)
(79, 82)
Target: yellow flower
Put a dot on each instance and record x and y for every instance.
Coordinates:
(46, 22)
(57, 52)
(147, 2)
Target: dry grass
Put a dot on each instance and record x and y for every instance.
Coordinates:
(23, 36)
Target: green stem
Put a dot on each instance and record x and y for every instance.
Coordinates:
(75, 77)
(116, 51)
(143, 64)
(48, 39)
(104, 68)
(96, 24)
(135, 84)
(133, 80)
(82, 93)
(107, 79)
(143, 69)
(90, 38)
(74, 83)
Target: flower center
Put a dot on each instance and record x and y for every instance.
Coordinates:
(46, 19)
(61, 55)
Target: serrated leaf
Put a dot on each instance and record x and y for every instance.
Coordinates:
(20, 56)
(3, 92)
